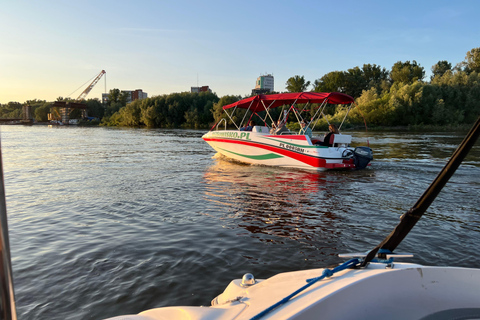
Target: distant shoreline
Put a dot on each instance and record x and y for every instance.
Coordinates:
(412, 128)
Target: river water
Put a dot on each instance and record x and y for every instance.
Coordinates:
(105, 222)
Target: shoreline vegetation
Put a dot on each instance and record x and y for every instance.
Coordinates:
(399, 99)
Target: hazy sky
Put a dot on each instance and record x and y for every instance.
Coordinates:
(53, 48)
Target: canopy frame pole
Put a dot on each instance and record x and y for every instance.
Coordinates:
(245, 115)
(349, 108)
(319, 112)
(281, 113)
(274, 123)
(311, 120)
(297, 113)
(292, 107)
(268, 113)
(231, 119)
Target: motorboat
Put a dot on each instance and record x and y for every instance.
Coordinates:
(369, 285)
(276, 145)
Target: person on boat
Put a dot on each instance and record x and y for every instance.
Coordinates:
(274, 127)
(280, 128)
(249, 126)
(328, 139)
(305, 130)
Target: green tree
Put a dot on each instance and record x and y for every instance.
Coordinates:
(117, 96)
(113, 96)
(95, 108)
(297, 84)
(354, 81)
(440, 68)
(217, 110)
(192, 110)
(407, 72)
(376, 77)
(12, 110)
(472, 61)
(41, 112)
(331, 82)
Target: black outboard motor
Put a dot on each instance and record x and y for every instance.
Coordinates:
(362, 156)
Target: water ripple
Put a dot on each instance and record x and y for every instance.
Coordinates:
(106, 221)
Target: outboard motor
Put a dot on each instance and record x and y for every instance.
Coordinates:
(362, 156)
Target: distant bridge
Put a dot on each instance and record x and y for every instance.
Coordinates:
(26, 119)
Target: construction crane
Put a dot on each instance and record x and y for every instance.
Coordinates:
(85, 92)
(62, 109)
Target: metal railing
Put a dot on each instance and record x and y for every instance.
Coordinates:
(7, 307)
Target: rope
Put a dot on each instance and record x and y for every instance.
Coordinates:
(325, 274)
(81, 86)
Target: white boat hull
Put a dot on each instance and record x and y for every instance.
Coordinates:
(297, 151)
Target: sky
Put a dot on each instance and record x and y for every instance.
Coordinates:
(54, 48)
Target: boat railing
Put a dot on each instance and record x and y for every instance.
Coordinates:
(224, 120)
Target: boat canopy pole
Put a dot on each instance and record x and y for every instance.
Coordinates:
(320, 108)
(311, 120)
(341, 124)
(264, 107)
(410, 218)
(246, 113)
(306, 104)
(296, 113)
(268, 113)
(7, 306)
(231, 117)
(281, 113)
(326, 119)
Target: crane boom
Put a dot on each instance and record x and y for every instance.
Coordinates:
(85, 92)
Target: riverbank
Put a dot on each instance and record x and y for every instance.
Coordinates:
(294, 127)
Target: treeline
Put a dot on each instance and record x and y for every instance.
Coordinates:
(397, 97)
(401, 97)
(186, 110)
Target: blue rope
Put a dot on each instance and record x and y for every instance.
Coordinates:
(385, 251)
(325, 274)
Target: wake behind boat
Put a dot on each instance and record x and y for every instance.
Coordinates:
(276, 145)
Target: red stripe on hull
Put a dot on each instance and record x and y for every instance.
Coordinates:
(292, 137)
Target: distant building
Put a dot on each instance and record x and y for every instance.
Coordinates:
(200, 89)
(131, 95)
(264, 84)
(135, 95)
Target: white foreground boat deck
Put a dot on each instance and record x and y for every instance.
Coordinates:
(404, 291)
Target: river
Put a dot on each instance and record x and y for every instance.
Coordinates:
(108, 221)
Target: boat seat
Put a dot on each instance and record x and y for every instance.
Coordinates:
(341, 140)
(261, 129)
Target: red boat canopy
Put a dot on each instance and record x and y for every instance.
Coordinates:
(275, 100)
